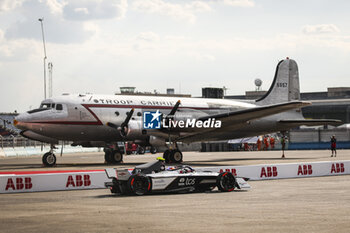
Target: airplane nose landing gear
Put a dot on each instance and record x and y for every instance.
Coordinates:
(49, 158)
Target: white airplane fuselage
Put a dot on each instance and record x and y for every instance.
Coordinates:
(85, 117)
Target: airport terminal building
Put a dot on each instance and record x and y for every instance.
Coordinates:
(331, 104)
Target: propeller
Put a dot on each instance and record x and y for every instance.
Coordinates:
(123, 128)
(173, 110)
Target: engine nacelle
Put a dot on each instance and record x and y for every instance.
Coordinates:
(134, 130)
(156, 141)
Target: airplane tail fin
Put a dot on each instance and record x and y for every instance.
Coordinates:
(285, 86)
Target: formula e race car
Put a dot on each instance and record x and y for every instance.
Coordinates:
(153, 177)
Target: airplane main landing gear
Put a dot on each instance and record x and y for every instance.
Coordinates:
(49, 158)
(173, 156)
(113, 156)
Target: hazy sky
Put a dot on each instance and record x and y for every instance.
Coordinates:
(98, 46)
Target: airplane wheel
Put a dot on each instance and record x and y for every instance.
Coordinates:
(141, 150)
(108, 156)
(49, 159)
(166, 156)
(226, 182)
(176, 156)
(153, 150)
(139, 184)
(116, 156)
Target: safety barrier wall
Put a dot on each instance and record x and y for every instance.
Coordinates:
(51, 181)
(316, 145)
(287, 170)
(29, 151)
(12, 182)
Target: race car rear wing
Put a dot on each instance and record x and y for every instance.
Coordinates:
(111, 173)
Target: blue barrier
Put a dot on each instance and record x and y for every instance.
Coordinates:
(316, 145)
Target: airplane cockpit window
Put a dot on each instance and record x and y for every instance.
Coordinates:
(46, 106)
(59, 107)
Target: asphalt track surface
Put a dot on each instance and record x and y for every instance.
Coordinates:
(320, 204)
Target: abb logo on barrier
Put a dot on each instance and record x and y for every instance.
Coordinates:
(337, 168)
(232, 170)
(19, 184)
(79, 181)
(304, 170)
(268, 172)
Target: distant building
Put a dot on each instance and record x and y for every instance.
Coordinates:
(6, 124)
(170, 91)
(212, 92)
(127, 90)
(331, 104)
(131, 91)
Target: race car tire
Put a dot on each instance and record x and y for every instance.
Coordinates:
(116, 156)
(176, 156)
(166, 156)
(226, 182)
(108, 156)
(49, 159)
(139, 184)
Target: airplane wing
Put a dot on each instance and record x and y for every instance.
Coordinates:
(237, 118)
(255, 113)
(311, 122)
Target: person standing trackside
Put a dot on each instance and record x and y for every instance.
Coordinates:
(283, 143)
(334, 146)
(258, 143)
(272, 142)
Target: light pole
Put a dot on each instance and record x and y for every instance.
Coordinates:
(50, 66)
(42, 32)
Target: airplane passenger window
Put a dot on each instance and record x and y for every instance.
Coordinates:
(139, 114)
(59, 107)
(117, 113)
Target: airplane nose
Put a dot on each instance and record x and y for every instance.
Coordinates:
(18, 121)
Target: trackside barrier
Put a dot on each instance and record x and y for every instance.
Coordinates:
(286, 170)
(51, 181)
(36, 181)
